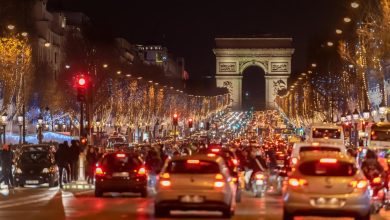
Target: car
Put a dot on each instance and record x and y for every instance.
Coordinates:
(36, 165)
(326, 184)
(298, 148)
(196, 182)
(120, 172)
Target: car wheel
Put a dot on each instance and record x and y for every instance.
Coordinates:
(98, 192)
(160, 212)
(144, 193)
(227, 212)
(287, 215)
(365, 217)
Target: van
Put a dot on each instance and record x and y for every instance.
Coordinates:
(299, 148)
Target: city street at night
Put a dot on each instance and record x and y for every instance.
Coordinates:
(242, 110)
(50, 203)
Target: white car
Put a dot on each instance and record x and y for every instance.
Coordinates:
(197, 182)
(326, 184)
(299, 148)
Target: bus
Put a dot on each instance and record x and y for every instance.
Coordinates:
(379, 136)
(326, 133)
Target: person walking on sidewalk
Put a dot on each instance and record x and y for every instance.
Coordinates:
(61, 157)
(74, 158)
(6, 166)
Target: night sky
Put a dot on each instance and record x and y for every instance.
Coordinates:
(188, 28)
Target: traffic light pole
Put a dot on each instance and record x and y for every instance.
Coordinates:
(174, 135)
(81, 120)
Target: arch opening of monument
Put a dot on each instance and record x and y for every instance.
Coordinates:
(253, 88)
(235, 55)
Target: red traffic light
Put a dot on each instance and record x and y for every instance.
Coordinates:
(81, 81)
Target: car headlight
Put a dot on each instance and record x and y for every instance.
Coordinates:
(45, 170)
(18, 170)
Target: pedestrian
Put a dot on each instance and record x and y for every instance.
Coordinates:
(153, 164)
(92, 159)
(68, 161)
(74, 158)
(6, 166)
(61, 157)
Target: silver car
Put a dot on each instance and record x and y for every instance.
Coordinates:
(326, 184)
(199, 182)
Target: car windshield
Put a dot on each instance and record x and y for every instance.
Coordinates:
(317, 148)
(115, 161)
(326, 133)
(316, 168)
(380, 135)
(182, 167)
(36, 157)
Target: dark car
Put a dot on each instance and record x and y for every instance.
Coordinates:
(36, 165)
(120, 172)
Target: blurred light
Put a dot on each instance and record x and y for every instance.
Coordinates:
(329, 43)
(118, 72)
(67, 66)
(47, 44)
(139, 77)
(350, 66)
(338, 31)
(354, 5)
(105, 65)
(347, 20)
(128, 75)
(24, 34)
(313, 65)
(11, 27)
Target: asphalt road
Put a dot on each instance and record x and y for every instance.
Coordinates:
(52, 203)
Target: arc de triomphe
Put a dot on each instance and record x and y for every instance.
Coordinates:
(234, 55)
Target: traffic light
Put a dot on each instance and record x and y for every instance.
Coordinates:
(190, 123)
(81, 85)
(83, 141)
(175, 119)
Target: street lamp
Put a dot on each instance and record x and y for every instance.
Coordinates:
(20, 123)
(343, 118)
(4, 123)
(355, 115)
(40, 122)
(366, 114)
(349, 116)
(382, 111)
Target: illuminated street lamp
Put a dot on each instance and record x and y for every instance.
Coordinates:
(339, 31)
(343, 118)
(4, 123)
(347, 19)
(40, 135)
(349, 116)
(355, 115)
(355, 5)
(20, 123)
(366, 114)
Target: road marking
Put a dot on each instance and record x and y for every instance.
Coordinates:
(28, 200)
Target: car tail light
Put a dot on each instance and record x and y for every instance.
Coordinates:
(219, 181)
(165, 180)
(193, 161)
(142, 171)
(295, 182)
(377, 180)
(120, 155)
(359, 184)
(328, 160)
(99, 171)
(235, 161)
(215, 150)
(211, 155)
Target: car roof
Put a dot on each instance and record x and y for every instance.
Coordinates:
(305, 156)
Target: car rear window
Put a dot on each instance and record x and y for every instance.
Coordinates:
(316, 168)
(316, 148)
(128, 161)
(35, 157)
(182, 166)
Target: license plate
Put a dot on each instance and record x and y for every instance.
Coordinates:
(32, 181)
(192, 199)
(121, 174)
